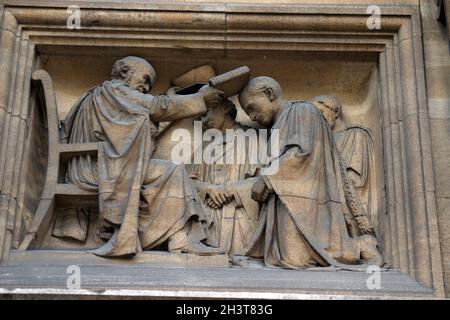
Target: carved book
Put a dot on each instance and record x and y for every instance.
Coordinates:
(231, 82)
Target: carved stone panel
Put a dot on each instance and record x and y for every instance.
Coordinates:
(118, 135)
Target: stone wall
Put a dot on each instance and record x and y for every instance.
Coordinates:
(437, 63)
(405, 67)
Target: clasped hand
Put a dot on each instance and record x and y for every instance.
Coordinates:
(217, 196)
(260, 191)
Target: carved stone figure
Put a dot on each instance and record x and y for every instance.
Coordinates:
(188, 82)
(143, 202)
(225, 187)
(357, 149)
(311, 215)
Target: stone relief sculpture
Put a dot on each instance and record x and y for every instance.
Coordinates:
(356, 146)
(143, 202)
(308, 213)
(226, 188)
(311, 215)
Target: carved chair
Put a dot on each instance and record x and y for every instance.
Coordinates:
(55, 192)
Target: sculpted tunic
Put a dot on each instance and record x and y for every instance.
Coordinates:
(149, 200)
(303, 223)
(231, 227)
(358, 152)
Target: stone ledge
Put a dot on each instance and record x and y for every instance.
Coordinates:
(43, 274)
(147, 258)
(146, 3)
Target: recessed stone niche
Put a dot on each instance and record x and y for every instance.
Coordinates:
(352, 77)
(310, 49)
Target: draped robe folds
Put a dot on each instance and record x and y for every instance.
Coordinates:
(231, 227)
(148, 200)
(358, 152)
(302, 224)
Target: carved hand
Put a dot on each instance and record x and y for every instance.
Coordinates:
(260, 192)
(211, 96)
(217, 196)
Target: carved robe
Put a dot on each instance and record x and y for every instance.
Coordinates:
(149, 200)
(357, 149)
(303, 223)
(231, 227)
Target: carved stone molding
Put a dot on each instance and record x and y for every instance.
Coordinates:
(411, 238)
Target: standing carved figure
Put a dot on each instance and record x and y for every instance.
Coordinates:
(356, 146)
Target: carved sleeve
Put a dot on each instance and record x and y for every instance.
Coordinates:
(164, 108)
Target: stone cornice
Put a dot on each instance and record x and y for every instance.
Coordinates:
(400, 7)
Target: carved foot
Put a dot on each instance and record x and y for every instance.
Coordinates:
(370, 253)
(201, 249)
(105, 230)
(240, 261)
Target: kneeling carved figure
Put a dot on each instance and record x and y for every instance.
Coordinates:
(311, 214)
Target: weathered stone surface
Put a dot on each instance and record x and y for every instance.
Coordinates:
(382, 77)
(437, 59)
(150, 259)
(123, 276)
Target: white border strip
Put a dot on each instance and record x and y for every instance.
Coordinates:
(192, 294)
